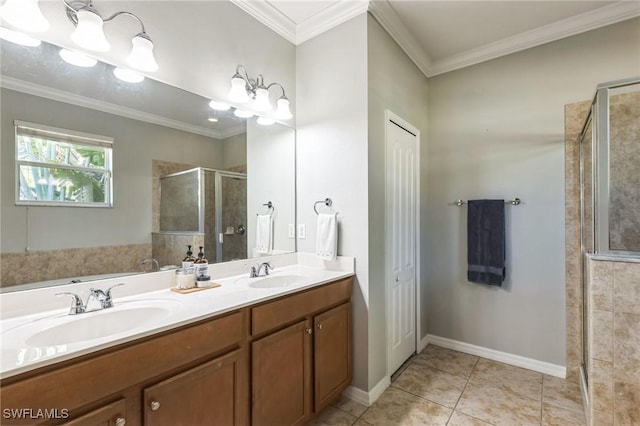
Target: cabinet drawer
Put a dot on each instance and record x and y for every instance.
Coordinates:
(285, 310)
(76, 385)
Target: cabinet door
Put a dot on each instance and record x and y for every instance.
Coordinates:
(281, 377)
(209, 394)
(114, 414)
(332, 354)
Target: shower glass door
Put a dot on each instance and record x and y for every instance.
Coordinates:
(231, 216)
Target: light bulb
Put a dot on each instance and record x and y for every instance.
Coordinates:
(220, 106)
(89, 33)
(261, 103)
(238, 92)
(242, 113)
(78, 59)
(283, 112)
(18, 38)
(141, 56)
(24, 14)
(128, 75)
(264, 121)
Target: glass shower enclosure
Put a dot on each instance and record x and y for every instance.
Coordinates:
(209, 208)
(609, 181)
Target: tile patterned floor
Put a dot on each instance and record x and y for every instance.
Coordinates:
(445, 387)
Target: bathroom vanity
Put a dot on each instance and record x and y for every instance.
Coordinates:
(278, 361)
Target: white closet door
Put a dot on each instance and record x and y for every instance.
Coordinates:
(401, 236)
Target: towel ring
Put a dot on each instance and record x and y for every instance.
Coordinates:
(327, 202)
(268, 205)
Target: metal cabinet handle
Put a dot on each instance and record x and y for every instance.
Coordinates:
(121, 421)
(309, 331)
(319, 326)
(155, 405)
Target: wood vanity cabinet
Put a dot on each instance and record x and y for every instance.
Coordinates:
(204, 365)
(277, 363)
(301, 354)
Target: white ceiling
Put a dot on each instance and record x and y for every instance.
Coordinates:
(441, 36)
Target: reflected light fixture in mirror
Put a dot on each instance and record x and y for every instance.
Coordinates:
(264, 121)
(242, 113)
(25, 15)
(244, 89)
(78, 59)
(219, 106)
(128, 75)
(18, 38)
(89, 34)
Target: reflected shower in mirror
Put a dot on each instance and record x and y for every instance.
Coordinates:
(157, 130)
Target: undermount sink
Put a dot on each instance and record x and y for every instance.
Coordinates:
(276, 281)
(99, 324)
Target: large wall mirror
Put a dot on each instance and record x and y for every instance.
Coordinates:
(182, 174)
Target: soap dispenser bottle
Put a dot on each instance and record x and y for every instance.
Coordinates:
(188, 260)
(202, 270)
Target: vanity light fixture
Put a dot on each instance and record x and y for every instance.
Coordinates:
(219, 106)
(242, 113)
(89, 34)
(18, 38)
(128, 75)
(25, 15)
(264, 121)
(78, 59)
(244, 88)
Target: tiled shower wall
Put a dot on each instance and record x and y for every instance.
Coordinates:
(575, 115)
(614, 342)
(18, 268)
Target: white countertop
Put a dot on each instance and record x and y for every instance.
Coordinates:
(33, 339)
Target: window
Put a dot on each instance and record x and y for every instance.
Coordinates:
(58, 167)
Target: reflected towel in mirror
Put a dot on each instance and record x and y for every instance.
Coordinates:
(264, 234)
(327, 236)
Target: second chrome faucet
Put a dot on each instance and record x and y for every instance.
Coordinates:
(255, 272)
(98, 299)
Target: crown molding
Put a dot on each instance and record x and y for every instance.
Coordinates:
(269, 16)
(34, 89)
(568, 27)
(334, 15)
(328, 18)
(390, 21)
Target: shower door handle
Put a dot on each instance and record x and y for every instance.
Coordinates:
(221, 238)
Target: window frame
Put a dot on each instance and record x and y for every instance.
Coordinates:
(24, 128)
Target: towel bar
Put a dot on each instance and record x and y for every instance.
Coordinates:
(515, 202)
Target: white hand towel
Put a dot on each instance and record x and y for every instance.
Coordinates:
(327, 236)
(264, 234)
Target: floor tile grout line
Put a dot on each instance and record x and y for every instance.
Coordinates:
(463, 389)
(541, 399)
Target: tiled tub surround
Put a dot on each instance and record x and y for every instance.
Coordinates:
(614, 341)
(32, 267)
(446, 387)
(21, 309)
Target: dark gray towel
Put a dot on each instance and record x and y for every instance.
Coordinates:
(485, 242)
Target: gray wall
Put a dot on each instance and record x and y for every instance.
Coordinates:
(234, 150)
(496, 131)
(136, 144)
(401, 88)
(331, 155)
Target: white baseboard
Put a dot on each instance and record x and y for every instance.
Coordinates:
(368, 398)
(507, 358)
(423, 343)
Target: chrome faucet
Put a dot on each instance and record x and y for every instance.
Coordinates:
(254, 273)
(156, 265)
(103, 298)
